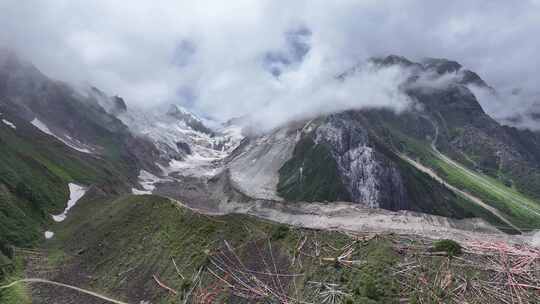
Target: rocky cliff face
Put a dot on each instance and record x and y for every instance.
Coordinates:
(370, 178)
(327, 159)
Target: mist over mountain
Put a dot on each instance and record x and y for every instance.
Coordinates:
(202, 55)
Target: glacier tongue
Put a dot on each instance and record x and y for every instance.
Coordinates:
(188, 147)
(177, 138)
(148, 182)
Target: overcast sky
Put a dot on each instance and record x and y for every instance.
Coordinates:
(225, 58)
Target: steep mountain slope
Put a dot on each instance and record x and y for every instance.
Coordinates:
(73, 117)
(180, 134)
(354, 155)
(34, 173)
(469, 135)
(339, 158)
(51, 135)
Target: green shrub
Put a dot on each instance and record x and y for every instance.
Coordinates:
(280, 232)
(373, 282)
(452, 248)
(186, 285)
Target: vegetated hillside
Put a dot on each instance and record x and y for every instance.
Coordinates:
(148, 248)
(469, 135)
(51, 135)
(34, 173)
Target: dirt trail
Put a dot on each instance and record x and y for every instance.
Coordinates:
(88, 292)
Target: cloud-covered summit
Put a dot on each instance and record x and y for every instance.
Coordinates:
(229, 58)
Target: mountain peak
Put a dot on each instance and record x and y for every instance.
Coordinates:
(175, 109)
(441, 65)
(191, 120)
(392, 60)
(119, 104)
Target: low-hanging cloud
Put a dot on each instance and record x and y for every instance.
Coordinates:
(515, 108)
(300, 96)
(274, 59)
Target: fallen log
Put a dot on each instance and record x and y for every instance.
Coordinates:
(163, 285)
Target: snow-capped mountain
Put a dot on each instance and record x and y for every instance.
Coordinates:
(186, 145)
(180, 134)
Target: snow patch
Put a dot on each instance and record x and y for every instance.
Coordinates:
(147, 181)
(194, 165)
(135, 191)
(9, 123)
(43, 128)
(75, 193)
(49, 234)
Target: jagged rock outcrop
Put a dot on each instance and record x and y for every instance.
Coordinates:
(370, 179)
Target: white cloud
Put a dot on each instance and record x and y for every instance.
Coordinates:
(129, 47)
(514, 108)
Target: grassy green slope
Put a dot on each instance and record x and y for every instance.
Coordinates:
(117, 246)
(34, 173)
(311, 175)
(521, 210)
(122, 243)
(429, 196)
